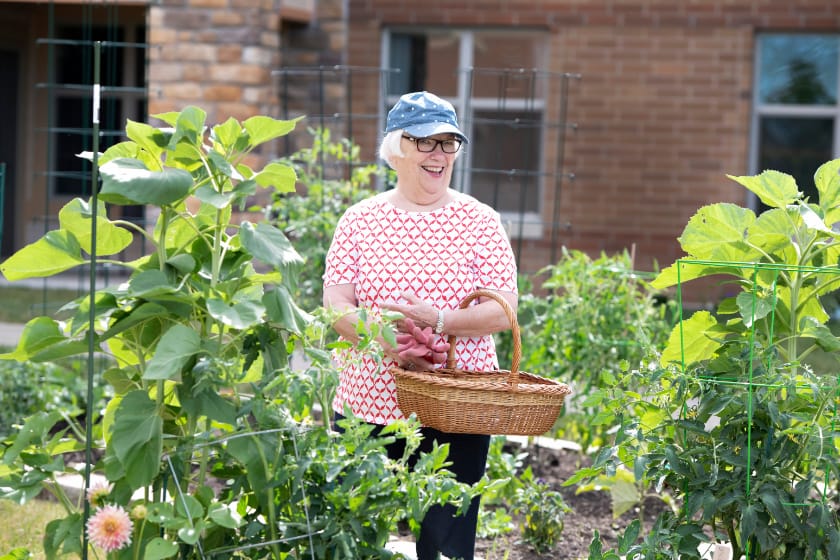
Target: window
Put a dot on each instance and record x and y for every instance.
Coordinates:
(795, 127)
(122, 69)
(494, 80)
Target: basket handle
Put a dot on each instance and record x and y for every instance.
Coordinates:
(514, 325)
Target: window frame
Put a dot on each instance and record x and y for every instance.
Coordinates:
(130, 96)
(762, 109)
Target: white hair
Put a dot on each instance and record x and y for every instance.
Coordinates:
(391, 147)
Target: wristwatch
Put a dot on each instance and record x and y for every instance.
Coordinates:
(439, 325)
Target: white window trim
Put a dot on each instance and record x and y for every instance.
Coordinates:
(774, 109)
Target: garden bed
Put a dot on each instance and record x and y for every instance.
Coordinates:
(590, 511)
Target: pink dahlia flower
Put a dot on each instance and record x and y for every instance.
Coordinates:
(98, 494)
(110, 528)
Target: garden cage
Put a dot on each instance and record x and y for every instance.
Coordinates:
(757, 430)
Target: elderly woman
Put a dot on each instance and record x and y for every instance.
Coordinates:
(419, 249)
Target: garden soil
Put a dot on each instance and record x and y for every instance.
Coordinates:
(590, 511)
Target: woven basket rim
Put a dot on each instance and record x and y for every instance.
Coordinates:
(494, 380)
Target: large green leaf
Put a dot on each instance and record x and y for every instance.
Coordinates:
(775, 189)
(684, 271)
(128, 181)
(64, 536)
(240, 315)
(280, 176)
(692, 340)
(150, 283)
(281, 309)
(160, 548)
(261, 128)
(813, 220)
(269, 245)
(210, 404)
(189, 126)
(148, 137)
(143, 313)
(714, 228)
(177, 346)
(827, 181)
(227, 133)
(76, 217)
(57, 251)
(137, 438)
(223, 516)
(34, 431)
(209, 195)
(754, 307)
(624, 494)
(772, 230)
(42, 341)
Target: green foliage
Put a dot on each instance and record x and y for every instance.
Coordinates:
(542, 511)
(735, 420)
(209, 424)
(330, 180)
(512, 492)
(596, 317)
(26, 388)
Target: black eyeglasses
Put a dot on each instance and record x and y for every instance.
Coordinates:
(426, 145)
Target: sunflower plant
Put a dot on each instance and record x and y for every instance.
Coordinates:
(202, 449)
(739, 420)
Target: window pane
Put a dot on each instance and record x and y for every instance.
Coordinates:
(798, 69)
(75, 60)
(505, 157)
(517, 53)
(75, 135)
(426, 61)
(796, 146)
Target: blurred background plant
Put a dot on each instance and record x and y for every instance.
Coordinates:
(330, 179)
(584, 324)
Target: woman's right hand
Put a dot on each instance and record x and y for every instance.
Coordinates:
(420, 348)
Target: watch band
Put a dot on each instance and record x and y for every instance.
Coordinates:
(439, 325)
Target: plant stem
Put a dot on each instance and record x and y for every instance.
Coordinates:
(202, 471)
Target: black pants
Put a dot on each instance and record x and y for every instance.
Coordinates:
(442, 531)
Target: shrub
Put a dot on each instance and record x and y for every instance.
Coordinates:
(587, 322)
(27, 388)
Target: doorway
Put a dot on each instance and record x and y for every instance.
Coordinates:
(9, 61)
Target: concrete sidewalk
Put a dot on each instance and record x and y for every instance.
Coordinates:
(10, 334)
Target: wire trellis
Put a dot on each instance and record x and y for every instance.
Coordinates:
(749, 383)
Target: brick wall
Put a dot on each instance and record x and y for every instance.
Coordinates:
(217, 54)
(662, 107)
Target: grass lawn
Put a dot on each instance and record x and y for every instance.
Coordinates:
(20, 303)
(23, 526)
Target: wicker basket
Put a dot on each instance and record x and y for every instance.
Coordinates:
(481, 402)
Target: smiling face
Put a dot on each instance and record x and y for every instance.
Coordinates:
(424, 176)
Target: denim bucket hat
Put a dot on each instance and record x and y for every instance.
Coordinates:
(423, 114)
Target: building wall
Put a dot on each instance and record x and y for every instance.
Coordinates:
(662, 107)
(25, 30)
(218, 54)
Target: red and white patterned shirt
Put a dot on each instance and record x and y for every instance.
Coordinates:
(441, 256)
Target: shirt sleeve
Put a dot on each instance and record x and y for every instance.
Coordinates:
(495, 263)
(341, 266)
